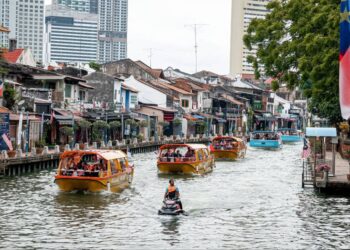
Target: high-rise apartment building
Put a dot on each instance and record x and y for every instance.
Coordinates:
(113, 27)
(70, 36)
(90, 6)
(243, 12)
(4, 21)
(25, 19)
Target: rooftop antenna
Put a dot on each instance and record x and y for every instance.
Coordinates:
(195, 27)
(150, 57)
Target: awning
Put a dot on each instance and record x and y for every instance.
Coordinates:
(84, 85)
(321, 132)
(189, 117)
(198, 117)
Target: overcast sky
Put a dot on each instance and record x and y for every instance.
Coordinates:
(160, 25)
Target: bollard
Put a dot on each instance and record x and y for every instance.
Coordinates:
(33, 152)
(76, 146)
(103, 145)
(117, 143)
(134, 141)
(110, 144)
(57, 149)
(94, 145)
(46, 150)
(86, 146)
(4, 154)
(19, 153)
(67, 147)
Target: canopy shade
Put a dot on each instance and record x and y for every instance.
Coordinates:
(321, 132)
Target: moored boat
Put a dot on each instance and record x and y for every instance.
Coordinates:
(265, 139)
(94, 171)
(290, 135)
(228, 148)
(185, 158)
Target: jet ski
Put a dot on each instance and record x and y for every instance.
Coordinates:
(170, 207)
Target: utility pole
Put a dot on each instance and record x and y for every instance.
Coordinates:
(150, 57)
(195, 29)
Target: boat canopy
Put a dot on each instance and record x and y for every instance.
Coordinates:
(227, 138)
(105, 154)
(321, 132)
(287, 129)
(265, 132)
(192, 146)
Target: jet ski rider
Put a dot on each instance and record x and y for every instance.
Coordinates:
(172, 192)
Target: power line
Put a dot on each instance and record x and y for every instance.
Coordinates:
(195, 27)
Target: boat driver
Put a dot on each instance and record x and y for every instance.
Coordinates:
(172, 192)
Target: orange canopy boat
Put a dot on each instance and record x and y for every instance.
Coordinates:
(228, 148)
(94, 170)
(185, 158)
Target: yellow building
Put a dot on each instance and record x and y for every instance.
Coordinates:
(243, 11)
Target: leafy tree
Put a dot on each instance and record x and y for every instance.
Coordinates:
(85, 126)
(95, 66)
(98, 129)
(297, 44)
(10, 96)
(114, 126)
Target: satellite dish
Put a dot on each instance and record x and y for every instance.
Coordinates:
(21, 102)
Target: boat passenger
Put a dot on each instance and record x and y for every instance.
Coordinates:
(173, 193)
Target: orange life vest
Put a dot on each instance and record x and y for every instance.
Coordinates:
(171, 189)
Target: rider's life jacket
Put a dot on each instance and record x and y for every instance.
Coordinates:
(172, 191)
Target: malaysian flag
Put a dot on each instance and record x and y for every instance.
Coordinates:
(306, 150)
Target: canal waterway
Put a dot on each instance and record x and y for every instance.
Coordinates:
(257, 202)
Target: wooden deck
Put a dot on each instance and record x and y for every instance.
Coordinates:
(339, 181)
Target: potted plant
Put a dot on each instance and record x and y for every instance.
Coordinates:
(66, 132)
(140, 138)
(321, 168)
(115, 126)
(11, 153)
(344, 128)
(39, 145)
(98, 130)
(85, 127)
(177, 122)
(143, 124)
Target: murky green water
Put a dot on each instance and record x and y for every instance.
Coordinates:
(254, 203)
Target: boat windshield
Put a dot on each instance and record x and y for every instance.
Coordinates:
(288, 132)
(89, 165)
(177, 154)
(265, 136)
(225, 144)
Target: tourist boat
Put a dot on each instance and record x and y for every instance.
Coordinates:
(265, 139)
(290, 135)
(228, 148)
(185, 159)
(94, 171)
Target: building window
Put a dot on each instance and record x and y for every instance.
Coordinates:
(184, 103)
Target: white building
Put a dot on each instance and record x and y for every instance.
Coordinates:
(112, 37)
(243, 12)
(25, 19)
(70, 36)
(147, 94)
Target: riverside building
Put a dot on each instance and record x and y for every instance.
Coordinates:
(70, 36)
(243, 12)
(89, 6)
(24, 18)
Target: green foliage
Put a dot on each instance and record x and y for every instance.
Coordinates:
(67, 131)
(115, 125)
(84, 124)
(298, 44)
(10, 96)
(191, 123)
(40, 144)
(202, 125)
(164, 124)
(131, 122)
(95, 66)
(177, 122)
(98, 128)
(275, 85)
(143, 124)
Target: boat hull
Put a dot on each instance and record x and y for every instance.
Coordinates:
(94, 184)
(186, 168)
(267, 144)
(291, 138)
(228, 155)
